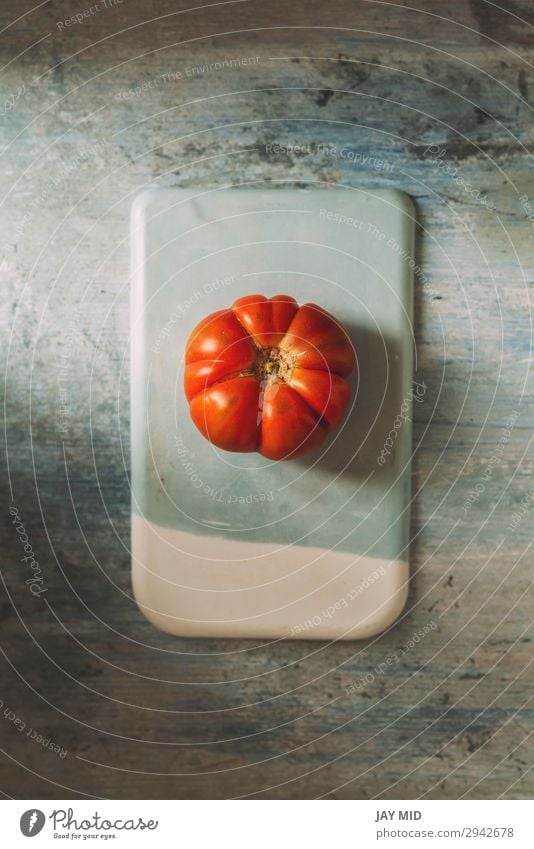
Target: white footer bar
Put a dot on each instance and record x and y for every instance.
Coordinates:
(264, 824)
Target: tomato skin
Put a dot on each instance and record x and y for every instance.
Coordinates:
(326, 393)
(226, 414)
(289, 427)
(319, 341)
(266, 319)
(268, 376)
(221, 337)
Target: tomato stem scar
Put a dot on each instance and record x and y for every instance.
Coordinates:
(273, 365)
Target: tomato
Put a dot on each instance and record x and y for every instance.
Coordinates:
(267, 375)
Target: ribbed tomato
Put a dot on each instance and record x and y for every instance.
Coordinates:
(267, 375)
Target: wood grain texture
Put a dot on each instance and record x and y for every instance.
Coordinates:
(118, 102)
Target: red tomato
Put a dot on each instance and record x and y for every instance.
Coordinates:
(268, 376)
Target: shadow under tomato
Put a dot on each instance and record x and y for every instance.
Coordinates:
(367, 440)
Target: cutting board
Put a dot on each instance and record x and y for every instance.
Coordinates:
(235, 545)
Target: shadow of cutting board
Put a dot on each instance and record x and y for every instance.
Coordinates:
(233, 544)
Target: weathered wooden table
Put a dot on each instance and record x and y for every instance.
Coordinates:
(434, 99)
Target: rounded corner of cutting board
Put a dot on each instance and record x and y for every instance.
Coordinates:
(402, 201)
(141, 598)
(140, 203)
(393, 608)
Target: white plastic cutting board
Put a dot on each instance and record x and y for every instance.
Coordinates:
(234, 545)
